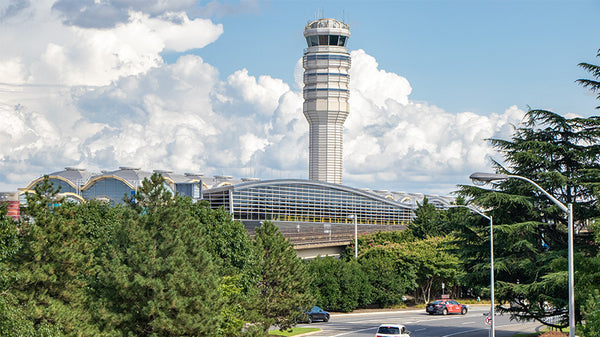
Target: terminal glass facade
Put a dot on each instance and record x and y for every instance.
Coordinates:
(306, 202)
(64, 186)
(112, 189)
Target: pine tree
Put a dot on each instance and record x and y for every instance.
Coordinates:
(13, 321)
(159, 280)
(428, 222)
(282, 280)
(53, 265)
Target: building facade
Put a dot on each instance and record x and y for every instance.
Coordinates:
(11, 200)
(249, 200)
(307, 201)
(78, 185)
(326, 64)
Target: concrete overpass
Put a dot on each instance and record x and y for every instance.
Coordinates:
(311, 239)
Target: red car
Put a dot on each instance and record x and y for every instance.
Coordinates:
(445, 307)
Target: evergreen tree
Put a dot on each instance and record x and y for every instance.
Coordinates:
(230, 246)
(54, 265)
(530, 264)
(158, 280)
(429, 221)
(12, 317)
(282, 282)
(593, 85)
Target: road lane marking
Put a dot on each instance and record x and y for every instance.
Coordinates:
(349, 332)
(462, 332)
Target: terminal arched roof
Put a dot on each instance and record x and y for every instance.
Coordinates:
(366, 194)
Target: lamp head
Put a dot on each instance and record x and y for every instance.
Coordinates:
(482, 178)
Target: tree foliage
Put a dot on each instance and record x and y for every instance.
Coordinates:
(339, 285)
(54, 264)
(591, 311)
(429, 221)
(229, 244)
(592, 84)
(388, 276)
(433, 262)
(159, 280)
(12, 319)
(530, 264)
(282, 280)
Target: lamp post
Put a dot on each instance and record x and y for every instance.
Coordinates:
(489, 177)
(353, 216)
(492, 311)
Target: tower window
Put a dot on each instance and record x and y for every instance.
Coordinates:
(333, 40)
(312, 40)
(323, 40)
(326, 40)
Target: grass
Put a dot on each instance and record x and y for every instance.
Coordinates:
(294, 332)
(535, 334)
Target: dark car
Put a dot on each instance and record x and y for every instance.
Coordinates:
(445, 307)
(315, 314)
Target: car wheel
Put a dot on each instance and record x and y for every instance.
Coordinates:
(310, 320)
(431, 313)
(463, 311)
(326, 319)
(445, 312)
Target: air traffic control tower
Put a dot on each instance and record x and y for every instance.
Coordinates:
(326, 63)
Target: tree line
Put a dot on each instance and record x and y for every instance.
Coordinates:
(158, 266)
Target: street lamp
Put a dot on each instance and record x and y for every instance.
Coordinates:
(353, 216)
(489, 177)
(492, 313)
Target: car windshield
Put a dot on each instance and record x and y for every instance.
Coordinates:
(390, 330)
(316, 309)
(436, 302)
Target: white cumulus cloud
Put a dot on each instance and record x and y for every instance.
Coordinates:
(37, 48)
(73, 93)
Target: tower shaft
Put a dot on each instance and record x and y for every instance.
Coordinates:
(326, 64)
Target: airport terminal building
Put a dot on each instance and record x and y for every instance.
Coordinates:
(249, 200)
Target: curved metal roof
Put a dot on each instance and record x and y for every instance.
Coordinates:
(366, 194)
(76, 177)
(133, 176)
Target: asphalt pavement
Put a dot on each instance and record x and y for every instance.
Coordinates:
(421, 324)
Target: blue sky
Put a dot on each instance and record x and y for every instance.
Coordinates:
(480, 56)
(212, 87)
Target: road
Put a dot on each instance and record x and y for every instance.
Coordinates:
(420, 324)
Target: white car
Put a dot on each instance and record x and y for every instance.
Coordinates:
(392, 330)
